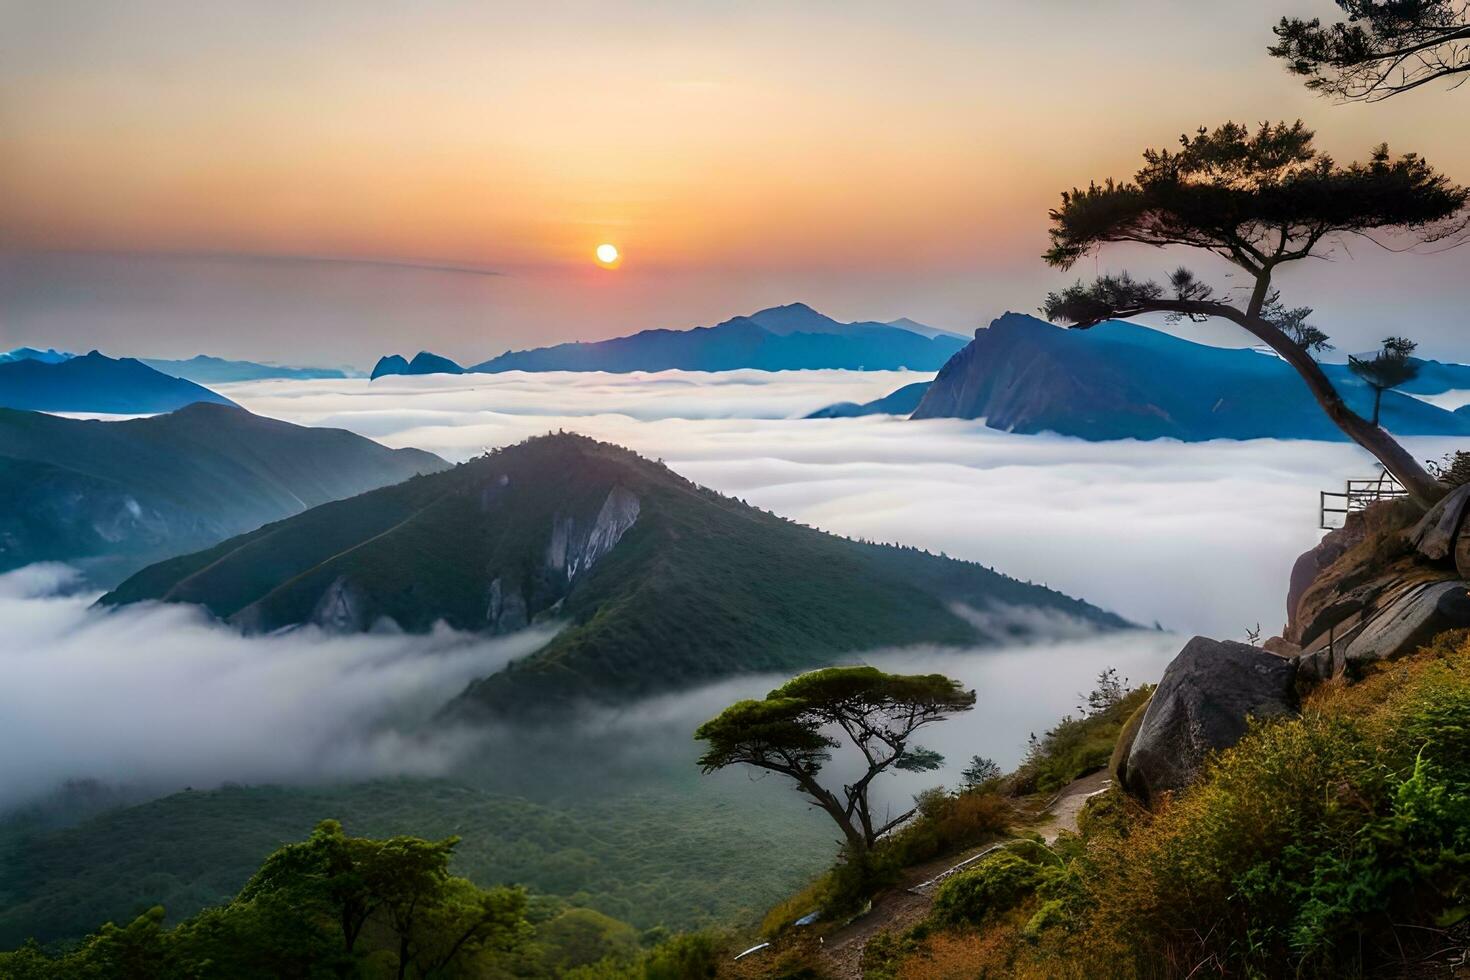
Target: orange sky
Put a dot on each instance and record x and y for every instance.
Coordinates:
(872, 160)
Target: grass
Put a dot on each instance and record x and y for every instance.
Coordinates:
(1335, 844)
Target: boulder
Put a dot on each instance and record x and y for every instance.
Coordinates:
(1310, 564)
(1435, 533)
(1407, 623)
(1203, 703)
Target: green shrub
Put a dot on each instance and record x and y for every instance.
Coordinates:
(1077, 746)
(997, 884)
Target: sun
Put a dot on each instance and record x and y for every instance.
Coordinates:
(608, 254)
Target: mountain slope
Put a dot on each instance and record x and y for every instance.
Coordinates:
(96, 383)
(661, 583)
(1119, 380)
(900, 402)
(136, 491)
(207, 370)
(783, 338)
(49, 356)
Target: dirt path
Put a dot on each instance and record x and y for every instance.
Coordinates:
(907, 904)
(1062, 813)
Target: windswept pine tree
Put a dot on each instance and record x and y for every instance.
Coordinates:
(1381, 49)
(1259, 200)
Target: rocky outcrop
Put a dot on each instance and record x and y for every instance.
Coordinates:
(1416, 617)
(505, 609)
(1204, 703)
(1435, 535)
(341, 609)
(571, 552)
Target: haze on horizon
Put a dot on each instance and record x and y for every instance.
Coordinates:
(343, 181)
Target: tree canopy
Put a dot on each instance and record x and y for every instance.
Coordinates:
(326, 906)
(1257, 199)
(1392, 366)
(792, 732)
(1380, 49)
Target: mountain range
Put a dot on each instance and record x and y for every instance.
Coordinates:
(1120, 380)
(208, 370)
(114, 496)
(96, 383)
(782, 338)
(660, 583)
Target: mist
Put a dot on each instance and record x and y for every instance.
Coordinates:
(1198, 537)
(158, 697)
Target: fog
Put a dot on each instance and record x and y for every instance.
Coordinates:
(1020, 689)
(155, 698)
(1199, 537)
(158, 697)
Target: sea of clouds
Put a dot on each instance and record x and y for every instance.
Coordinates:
(1198, 537)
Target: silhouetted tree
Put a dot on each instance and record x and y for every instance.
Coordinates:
(979, 772)
(1382, 48)
(1390, 367)
(788, 733)
(1258, 200)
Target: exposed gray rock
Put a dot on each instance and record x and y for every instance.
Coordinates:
(341, 608)
(1310, 564)
(1409, 622)
(1202, 704)
(506, 608)
(1434, 535)
(571, 550)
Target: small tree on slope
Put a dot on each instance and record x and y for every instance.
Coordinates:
(1258, 200)
(791, 733)
(1390, 367)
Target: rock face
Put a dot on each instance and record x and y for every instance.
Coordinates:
(1412, 620)
(1434, 536)
(1203, 702)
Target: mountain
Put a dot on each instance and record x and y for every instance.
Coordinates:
(1437, 377)
(118, 495)
(1120, 380)
(900, 402)
(661, 583)
(96, 383)
(215, 370)
(48, 356)
(423, 363)
(922, 329)
(782, 338)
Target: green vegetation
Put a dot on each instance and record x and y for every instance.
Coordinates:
(1081, 745)
(138, 490)
(1334, 844)
(787, 734)
(340, 906)
(332, 905)
(717, 588)
(677, 856)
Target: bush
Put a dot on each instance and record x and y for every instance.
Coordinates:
(997, 884)
(1077, 746)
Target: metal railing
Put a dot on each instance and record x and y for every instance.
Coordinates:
(1356, 495)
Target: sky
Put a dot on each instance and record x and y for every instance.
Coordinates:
(331, 181)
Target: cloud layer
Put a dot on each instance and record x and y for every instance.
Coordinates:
(1198, 536)
(159, 697)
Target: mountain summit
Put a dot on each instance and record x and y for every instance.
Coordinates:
(1120, 380)
(660, 583)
